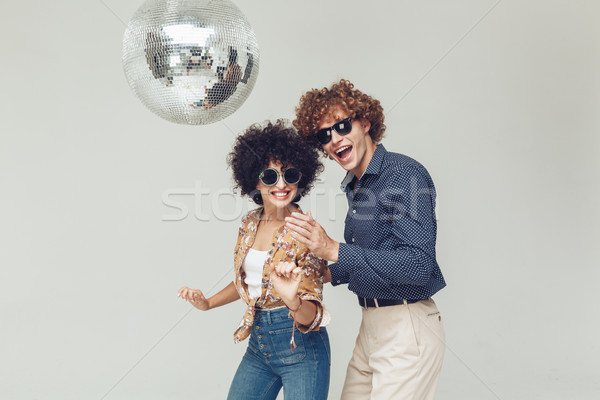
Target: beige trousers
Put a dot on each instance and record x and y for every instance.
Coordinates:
(398, 353)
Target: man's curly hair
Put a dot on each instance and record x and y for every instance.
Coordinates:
(316, 104)
(259, 145)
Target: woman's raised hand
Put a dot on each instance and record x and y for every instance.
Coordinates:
(286, 277)
(194, 297)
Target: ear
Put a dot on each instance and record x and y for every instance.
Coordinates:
(257, 197)
(366, 124)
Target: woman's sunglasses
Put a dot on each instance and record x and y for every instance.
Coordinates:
(342, 127)
(270, 176)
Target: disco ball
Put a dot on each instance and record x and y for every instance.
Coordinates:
(190, 62)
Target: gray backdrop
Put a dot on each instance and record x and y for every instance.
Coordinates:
(108, 210)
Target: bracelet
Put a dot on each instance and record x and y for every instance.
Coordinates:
(299, 305)
(292, 342)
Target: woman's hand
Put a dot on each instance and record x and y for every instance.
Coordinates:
(286, 277)
(194, 297)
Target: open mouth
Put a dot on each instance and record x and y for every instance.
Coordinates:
(343, 153)
(280, 194)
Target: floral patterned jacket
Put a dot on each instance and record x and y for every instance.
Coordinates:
(285, 249)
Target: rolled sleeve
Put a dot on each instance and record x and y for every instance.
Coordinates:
(314, 326)
(311, 287)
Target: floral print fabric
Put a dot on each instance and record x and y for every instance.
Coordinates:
(284, 249)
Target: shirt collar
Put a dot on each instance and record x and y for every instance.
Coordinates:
(253, 220)
(374, 167)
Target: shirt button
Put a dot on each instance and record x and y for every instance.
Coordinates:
(339, 281)
(353, 239)
(353, 211)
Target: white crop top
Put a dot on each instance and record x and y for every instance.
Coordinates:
(253, 267)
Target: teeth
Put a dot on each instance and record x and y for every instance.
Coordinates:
(280, 194)
(342, 149)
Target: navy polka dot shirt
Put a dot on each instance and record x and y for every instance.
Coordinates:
(390, 231)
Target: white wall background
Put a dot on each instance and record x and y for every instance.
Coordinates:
(499, 99)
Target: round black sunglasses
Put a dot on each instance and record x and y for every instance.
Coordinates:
(270, 176)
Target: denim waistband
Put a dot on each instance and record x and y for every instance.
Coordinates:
(271, 314)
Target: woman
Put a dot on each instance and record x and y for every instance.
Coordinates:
(277, 277)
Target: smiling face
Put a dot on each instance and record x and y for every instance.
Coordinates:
(352, 151)
(279, 195)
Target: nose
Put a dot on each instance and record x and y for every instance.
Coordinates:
(335, 137)
(280, 182)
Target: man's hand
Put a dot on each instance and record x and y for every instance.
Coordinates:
(309, 232)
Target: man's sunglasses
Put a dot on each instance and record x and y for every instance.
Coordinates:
(270, 176)
(342, 127)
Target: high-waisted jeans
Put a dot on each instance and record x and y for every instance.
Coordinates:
(270, 364)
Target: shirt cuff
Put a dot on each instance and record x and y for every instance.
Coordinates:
(341, 271)
(338, 277)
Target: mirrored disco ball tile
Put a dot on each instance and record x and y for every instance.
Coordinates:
(190, 62)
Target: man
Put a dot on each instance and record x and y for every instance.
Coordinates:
(388, 259)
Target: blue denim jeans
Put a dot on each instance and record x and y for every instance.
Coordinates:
(269, 363)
